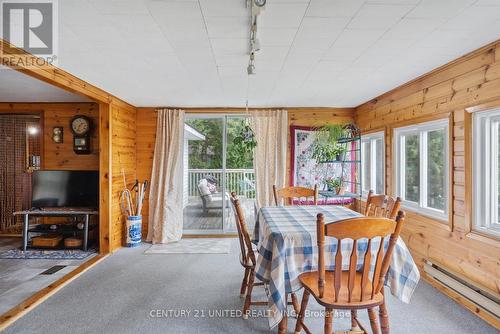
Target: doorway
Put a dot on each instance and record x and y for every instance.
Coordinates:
(20, 153)
(216, 163)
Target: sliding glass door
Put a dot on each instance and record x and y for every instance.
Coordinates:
(216, 163)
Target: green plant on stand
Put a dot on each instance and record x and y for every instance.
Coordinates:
(340, 150)
(335, 184)
(326, 147)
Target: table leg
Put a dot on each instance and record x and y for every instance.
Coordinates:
(25, 231)
(86, 233)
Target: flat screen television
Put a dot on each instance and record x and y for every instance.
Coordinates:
(58, 188)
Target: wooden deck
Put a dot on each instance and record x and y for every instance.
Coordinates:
(196, 219)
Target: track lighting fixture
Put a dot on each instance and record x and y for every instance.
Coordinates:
(251, 69)
(251, 65)
(259, 3)
(255, 9)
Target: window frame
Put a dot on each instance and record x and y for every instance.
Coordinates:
(421, 129)
(485, 152)
(372, 139)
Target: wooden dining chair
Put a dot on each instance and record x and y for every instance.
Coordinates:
(379, 206)
(382, 206)
(288, 194)
(351, 289)
(248, 259)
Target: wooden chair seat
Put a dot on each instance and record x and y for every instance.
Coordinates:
(310, 282)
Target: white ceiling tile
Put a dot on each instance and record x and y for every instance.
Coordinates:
(154, 44)
(312, 45)
(392, 2)
(412, 28)
(322, 27)
(344, 53)
(232, 60)
(276, 36)
(119, 7)
(441, 38)
(133, 24)
(333, 8)
(372, 22)
(383, 11)
(271, 58)
(282, 15)
(355, 37)
(487, 3)
(169, 9)
(439, 9)
(228, 27)
(186, 36)
(389, 47)
(224, 8)
(227, 46)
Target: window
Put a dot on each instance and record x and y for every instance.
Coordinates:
(372, 159)
(486, 171)
(421, 167)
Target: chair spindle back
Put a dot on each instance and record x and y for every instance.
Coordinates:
(288, 194)
(382, 206)
(355, 229)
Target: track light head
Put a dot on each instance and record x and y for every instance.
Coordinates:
(255, 44)
(259, 3)
(251, 69)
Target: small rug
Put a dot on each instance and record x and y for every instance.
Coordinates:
(47, 254)
(193, 246)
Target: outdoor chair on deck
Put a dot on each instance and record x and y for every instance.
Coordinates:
(209, 200)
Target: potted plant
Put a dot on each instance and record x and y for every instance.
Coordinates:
(335, 184)
(340, 150)
(326, 145)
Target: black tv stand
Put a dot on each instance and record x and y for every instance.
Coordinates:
(56, 212)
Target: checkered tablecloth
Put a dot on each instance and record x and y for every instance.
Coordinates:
(287, 246)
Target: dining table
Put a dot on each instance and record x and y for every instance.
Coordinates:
(287, 247)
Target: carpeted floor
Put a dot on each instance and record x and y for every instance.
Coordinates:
(130, 292)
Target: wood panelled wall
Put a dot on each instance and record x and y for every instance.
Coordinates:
(146, 132)
(123, 157)
(445, 93)
(61, 156)
(146, 136)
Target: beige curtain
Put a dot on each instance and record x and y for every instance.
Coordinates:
(270, 129)
(165, 197)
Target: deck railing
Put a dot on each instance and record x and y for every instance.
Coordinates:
(242, 181)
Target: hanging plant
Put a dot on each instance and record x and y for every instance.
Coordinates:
(246, 138)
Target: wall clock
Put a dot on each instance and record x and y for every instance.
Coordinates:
(81, 126)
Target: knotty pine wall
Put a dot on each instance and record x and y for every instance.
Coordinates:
(473, 80)
(146, 132)
(123, 157)
(61, 156)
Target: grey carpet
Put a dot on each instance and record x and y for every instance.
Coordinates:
(119, 294)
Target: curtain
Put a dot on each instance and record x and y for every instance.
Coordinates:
(270, 129)
(165, 197)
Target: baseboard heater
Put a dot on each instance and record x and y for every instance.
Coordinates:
(481, 297)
